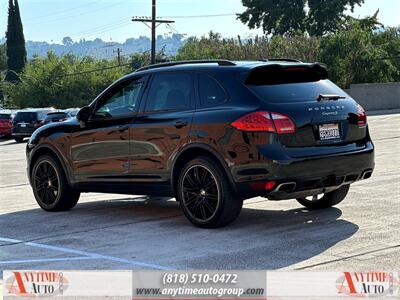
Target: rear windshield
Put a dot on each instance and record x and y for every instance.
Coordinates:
(56, 115)
(296, 92)
(26, 116)
(5, 116)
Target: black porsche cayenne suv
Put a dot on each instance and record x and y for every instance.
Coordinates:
(211, 134)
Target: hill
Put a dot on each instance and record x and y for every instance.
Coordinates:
(101, 49)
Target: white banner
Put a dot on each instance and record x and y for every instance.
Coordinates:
(339, 285)
(93, 284)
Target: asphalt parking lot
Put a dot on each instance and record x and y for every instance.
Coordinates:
(133, 232)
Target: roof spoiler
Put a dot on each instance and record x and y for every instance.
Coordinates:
(281, 59)
(290, 73)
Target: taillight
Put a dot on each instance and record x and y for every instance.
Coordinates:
(361, 116)
(265, 121)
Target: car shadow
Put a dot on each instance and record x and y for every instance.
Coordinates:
(259, 239)
(7, 142)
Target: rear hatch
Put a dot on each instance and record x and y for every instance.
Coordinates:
(323, 114)
(26, 121)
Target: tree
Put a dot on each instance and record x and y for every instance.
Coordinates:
(16, 51)
(215, 47)
(3, 68)
(292, 17)
(3, 58)
(67, 41)
(357, 55)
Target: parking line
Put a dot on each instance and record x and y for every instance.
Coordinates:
(88, 254)
(10, 262)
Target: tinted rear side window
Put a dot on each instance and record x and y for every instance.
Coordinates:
(296, 92)
(211, 92)
(170, 91)
(26, 117)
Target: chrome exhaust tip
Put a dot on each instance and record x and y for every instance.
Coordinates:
(366, 174)
(286, 187)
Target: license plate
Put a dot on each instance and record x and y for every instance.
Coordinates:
(329, 132)
(22, 125)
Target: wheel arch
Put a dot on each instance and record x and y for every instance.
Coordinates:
(196, 150)
(46, 149)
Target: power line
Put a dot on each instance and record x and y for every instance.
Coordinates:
(326, 2)
(62, 11)
(103, 27)
(77, 15)
(98, 29)
(201, 16)
(91, 33)
(94, 70)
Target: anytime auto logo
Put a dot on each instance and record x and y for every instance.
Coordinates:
(36, 283)
(368, 284)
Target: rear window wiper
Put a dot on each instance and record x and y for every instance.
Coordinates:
(322, 97)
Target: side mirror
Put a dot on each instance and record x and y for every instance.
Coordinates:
(83, 115)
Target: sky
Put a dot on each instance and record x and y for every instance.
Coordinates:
(110, 20)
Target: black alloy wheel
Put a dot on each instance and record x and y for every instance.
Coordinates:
(205, 194)
(46, 182)
(50, 186)
(201, 194)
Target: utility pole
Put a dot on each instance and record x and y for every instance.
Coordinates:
(154, 24)
(119, 55)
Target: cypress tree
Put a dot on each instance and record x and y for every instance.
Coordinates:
(16, 51)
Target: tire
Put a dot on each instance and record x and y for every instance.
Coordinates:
(50, 186)
(19, 139)
(205, 196)
(327, 200)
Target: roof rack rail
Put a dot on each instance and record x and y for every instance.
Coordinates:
(281, 59)
(221, 62)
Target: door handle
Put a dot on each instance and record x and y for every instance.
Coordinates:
(181, 124)
(123, 128)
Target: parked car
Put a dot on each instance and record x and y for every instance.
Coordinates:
(211, 134)
(26, 122)
(72, 112)
(5, 124)
(57, 116)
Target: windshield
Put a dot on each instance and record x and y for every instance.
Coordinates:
(296, 92)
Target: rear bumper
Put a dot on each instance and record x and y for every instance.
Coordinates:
(20, 133)
(308, 176)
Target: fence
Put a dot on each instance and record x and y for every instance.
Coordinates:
(376, 96)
